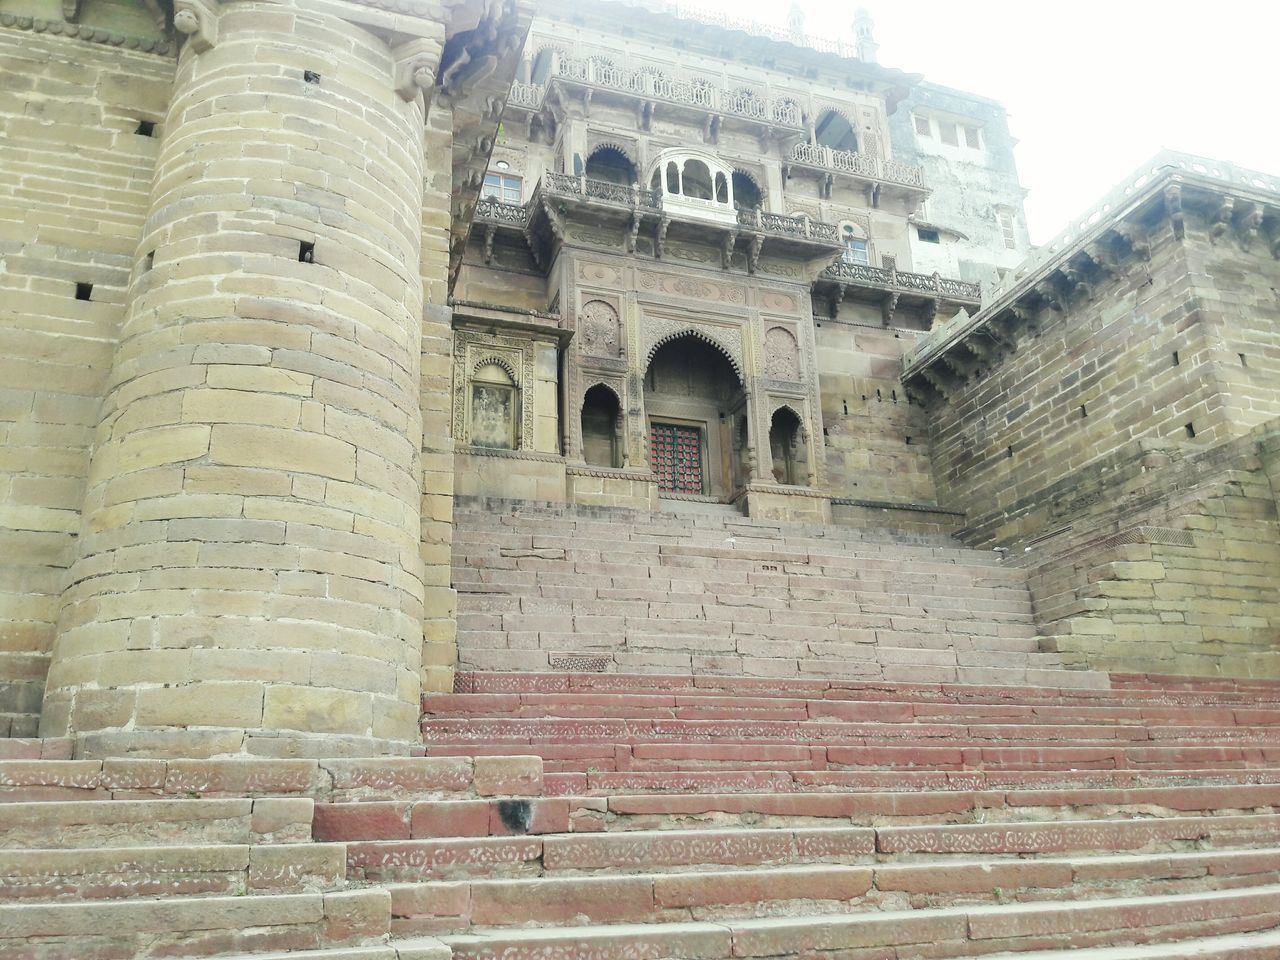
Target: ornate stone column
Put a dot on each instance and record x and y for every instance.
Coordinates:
(249, 557)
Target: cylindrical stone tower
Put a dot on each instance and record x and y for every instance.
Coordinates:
(249, 556)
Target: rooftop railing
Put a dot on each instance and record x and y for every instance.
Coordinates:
(702, 92)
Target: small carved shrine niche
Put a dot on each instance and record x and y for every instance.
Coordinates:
(495, 408)
(788, 449)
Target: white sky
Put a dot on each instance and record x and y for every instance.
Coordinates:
(1093, 87)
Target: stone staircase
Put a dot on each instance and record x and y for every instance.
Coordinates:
(783, 818)
(544, 586)
(780, 742)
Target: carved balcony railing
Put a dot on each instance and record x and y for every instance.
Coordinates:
(696, 91)
(801, 227)
(563, 184)
(527, 95)
(934, 285)
(489, 210)
(858, 164)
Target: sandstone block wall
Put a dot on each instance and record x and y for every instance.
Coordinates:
(1117, 452)
(251, 536)
(76, 173)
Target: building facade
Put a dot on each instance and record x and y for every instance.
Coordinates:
(281, 282)
(695, 280)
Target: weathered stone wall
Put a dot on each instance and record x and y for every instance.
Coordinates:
(876, 442)
(1117, 453)
(73, 196)
(250, 552)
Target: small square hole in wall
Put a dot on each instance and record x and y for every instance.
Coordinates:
(149, 262)
(1084, 411)
(1008, 453)
(1191, 430)
(310, 76)
(1176, 359)
(910, 441)
(146, 128)
(84, 291)
(1244, 361)
(306, 252)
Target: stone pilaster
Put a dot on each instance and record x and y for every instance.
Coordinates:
(250, 552)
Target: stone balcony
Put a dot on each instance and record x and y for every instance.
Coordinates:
(860, 166)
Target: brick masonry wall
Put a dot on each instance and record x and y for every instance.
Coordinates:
(73, 196)
(1082, 435)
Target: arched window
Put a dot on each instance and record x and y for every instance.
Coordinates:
(601, 420)
(834, 131)
(696, 179)
(746, 195)
(494, 408)
(542, 65)
(673, 177)
(611, 165)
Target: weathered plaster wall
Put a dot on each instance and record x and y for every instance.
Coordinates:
(73, 196)
(971, 187)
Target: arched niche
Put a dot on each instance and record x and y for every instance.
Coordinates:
(788, 447)
(601, 420)
(834, 130)
(495, 406)
(610, 164)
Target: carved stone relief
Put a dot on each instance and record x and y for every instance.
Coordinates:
(600, 273)
(601, 329)
(658, 330)
(693, 287)
(782, 354)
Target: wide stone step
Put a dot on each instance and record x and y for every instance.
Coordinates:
(608, 783)
(646, 897)
(1243, 946)
(115, 873)
(426, 819)
(708, 706)
(1081, 688)
(830, 731)
(584, 756)
(193, 926)
(947, 932)
(136, 823)
(249, 777)
(627, 852)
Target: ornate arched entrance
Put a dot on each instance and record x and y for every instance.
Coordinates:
(695, 405)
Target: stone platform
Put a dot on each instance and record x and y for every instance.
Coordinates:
(626, 817)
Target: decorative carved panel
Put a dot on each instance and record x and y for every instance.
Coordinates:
(656, 331)
(782, 354)
(601, 329)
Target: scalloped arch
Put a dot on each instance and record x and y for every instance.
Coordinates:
(804, 427)
(699, 335)
(497, 361)
(624, 149)
(601, 383)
